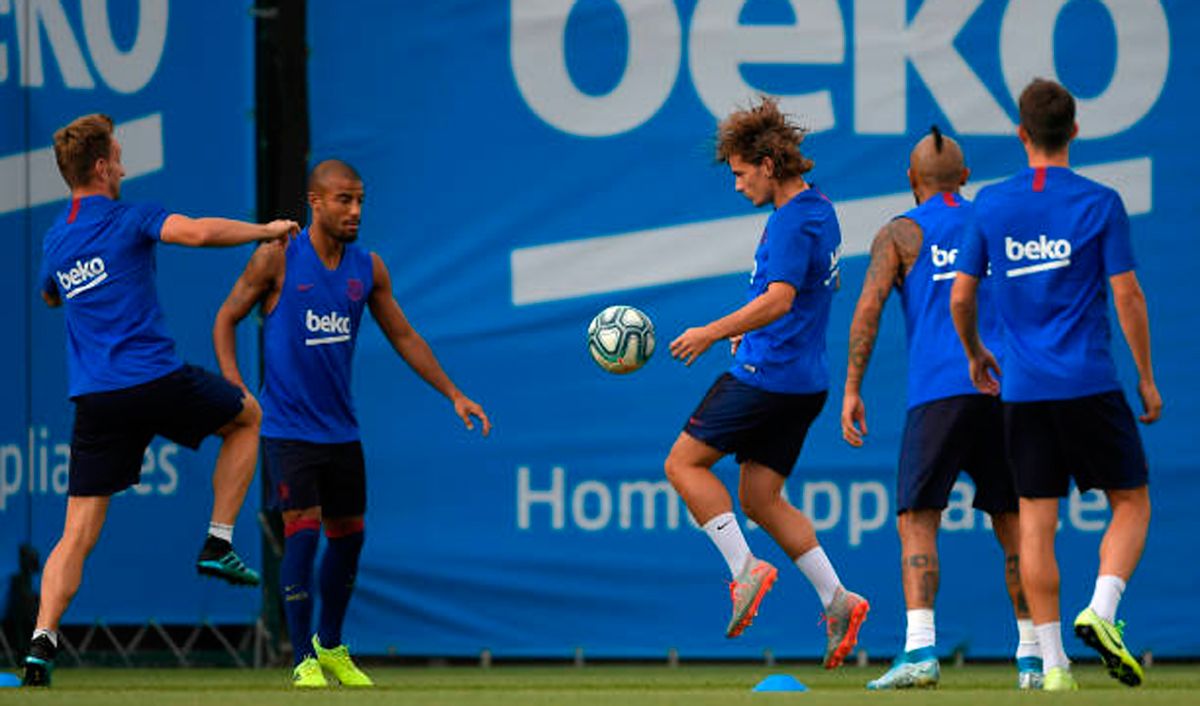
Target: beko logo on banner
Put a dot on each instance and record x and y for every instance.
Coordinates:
(123, 70)
(884, 43)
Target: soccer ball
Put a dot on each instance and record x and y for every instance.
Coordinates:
(621, 339)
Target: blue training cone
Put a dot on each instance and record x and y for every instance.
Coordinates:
(9, 679)
(780, 682)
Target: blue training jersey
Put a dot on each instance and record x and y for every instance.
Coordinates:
(937, 365)
(308, 345)
(99, 255)
(1053, 238)
(800, 245)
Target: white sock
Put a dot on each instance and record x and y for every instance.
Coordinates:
(815, 565)
(220, 531)
(48, 633)
(921, 631)
(725, 532)
(1107, 595)
(1049, 637)
(1027, 639)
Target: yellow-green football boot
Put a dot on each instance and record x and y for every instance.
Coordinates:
(1106, 638)
(308, 674)
(337, 661)
(1059, 679)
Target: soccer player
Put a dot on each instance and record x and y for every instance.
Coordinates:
(950, 426)
(1052, 239)
(126, 381)
(762, 408)
(313, 293)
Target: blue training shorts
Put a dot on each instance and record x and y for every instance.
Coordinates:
(305, 474)
(1092, 439)
(112, 429)
(755, 424)
(946, 436)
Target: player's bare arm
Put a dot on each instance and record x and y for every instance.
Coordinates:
(259, 282)
(893, 252)
(222, 232)
(758, 312)
(964, 309)
(414, 349)
(1130, 303)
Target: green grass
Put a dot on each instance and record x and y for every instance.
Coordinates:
(694, 685)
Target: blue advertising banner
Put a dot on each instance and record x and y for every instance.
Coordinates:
(184, 118)
(530, 162)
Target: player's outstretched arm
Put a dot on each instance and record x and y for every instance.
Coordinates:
(261, 278)
(894, 248)
(414, 349)
(222, 232)
(758, 312)
(1130, 303)
(964, 308)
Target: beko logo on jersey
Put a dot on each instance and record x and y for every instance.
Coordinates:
(943, 258)
(1052, 253)
(334, 324)
(82, 277)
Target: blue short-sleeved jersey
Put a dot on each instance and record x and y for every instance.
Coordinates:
(800, 245)
(99, 254)
(937, 366)
(1053, 238)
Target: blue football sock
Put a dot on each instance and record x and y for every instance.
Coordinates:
(339, 568)
(295, 581)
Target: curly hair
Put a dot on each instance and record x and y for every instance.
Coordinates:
(79, 144)
(762, 131)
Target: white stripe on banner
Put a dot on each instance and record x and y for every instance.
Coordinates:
(141, 153)
(725, 246)
(322, 341)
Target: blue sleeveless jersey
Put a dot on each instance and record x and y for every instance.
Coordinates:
(1052, 239)
(308, 346)
(800, 245)
(937, 365)
(99, 255)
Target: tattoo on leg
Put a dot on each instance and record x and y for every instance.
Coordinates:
(926, 566)
(1012, 577)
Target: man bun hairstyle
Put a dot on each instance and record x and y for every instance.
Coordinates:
(762, 131)
(79, 144)
(1047, 114)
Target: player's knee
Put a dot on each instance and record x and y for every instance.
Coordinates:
(674, 470)
(251, 415)
(306, 515)
(755, 505)
(337, 527)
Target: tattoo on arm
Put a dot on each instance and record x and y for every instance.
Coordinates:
(907, 238)
(892, 253)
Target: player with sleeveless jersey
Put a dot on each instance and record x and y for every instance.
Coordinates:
(313, 294)
(950, 426)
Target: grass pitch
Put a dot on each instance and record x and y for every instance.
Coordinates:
(622, 685)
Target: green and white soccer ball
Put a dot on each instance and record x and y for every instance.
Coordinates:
(621, 339)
